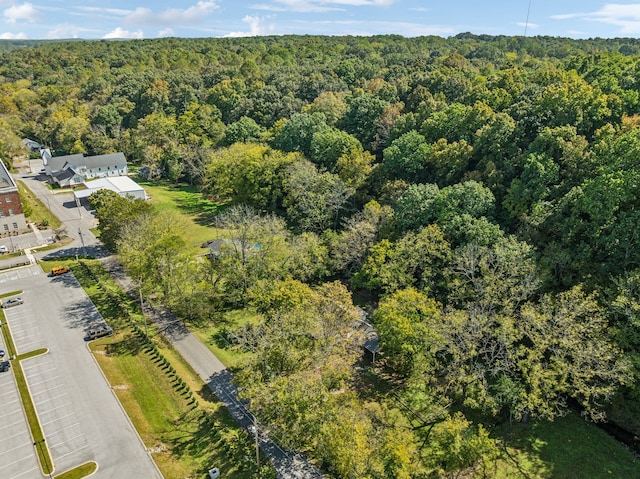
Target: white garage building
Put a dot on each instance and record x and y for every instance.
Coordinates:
(123, 185)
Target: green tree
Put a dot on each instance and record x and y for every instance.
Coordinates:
(114, 213)
(314, 200)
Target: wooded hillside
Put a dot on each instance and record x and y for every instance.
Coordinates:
(477, 195)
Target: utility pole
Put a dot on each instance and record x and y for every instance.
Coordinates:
(81, 240)
(255, 434)
(142, 311)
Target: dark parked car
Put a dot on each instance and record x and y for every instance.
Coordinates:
(12, 302)
(4, 366)
(98, 333)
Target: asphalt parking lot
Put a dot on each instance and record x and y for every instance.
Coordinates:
(79, 414)
(17, 455)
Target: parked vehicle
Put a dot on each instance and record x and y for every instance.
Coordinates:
(58, 270)
(4, 249)
(1, 353)
(100, 332)
(4, 366)
(12, 302)
(214, 473)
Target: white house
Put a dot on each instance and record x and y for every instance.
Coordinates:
(85, 167)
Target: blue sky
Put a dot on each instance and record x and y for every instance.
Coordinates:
(94, 19)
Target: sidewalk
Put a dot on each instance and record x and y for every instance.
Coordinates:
(288, 465)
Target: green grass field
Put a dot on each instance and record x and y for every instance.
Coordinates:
(187, 202)
(567, 448)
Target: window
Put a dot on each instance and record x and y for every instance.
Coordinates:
(1, 212)
(10, 211)
(7, 199)
(15, 226)
(6, 227)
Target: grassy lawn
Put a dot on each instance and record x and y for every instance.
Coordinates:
(187, 202)
(179, 419)
(39, 213)
(214, 337)
(567, 448)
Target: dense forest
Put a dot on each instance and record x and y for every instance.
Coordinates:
(477, 196)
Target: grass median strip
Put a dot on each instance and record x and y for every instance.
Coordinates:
(27, 403)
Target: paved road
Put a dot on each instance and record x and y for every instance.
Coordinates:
(288, 465)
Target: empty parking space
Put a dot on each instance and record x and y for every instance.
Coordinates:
(26, 328)
(17, 454)
(59, 421)
(20, 273)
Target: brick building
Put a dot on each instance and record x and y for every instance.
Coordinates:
(12, 219)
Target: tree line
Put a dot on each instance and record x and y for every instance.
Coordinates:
(477, 194)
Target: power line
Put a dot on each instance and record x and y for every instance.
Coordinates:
(526, 23)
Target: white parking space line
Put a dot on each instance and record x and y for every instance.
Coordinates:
(44, 424)
(9, 402)
(71, 426)
(63, 395)
(34, 386)
(73, 452)
(39, 365)
(24, 474)
(25, 346)
(54, 445)
(19, 446)
(23, 458)
(53, 408)
(6, 426)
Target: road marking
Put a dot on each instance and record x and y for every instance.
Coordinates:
(44, 424)
(39, 403)
(26, 472)
(38, 365)
(17, 461)
(72, 452)
(20, 446)
(12, 424)
(32, 386)
(68, 440)
(65, 429)
(53, 409)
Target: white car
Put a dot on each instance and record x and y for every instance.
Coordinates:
(214, 473)
(4, 249)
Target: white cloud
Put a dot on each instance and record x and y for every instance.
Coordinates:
(120, 33)
(627, 17)
(527, 25)
(66, 30)
(25, 12)
(171, 16)
(166, 32)
(12, 36)
(255, 27)
(320, 6)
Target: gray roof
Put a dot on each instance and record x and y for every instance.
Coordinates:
(57, 163)
(64, 174)
(97, 161)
